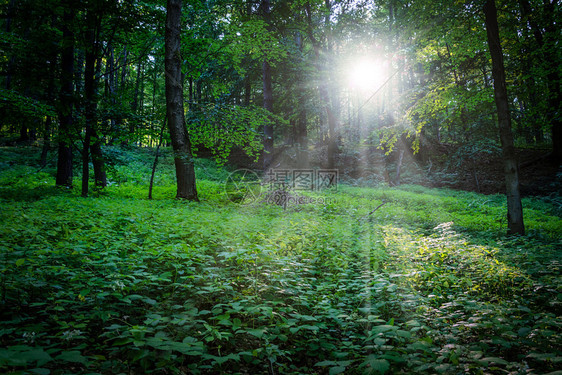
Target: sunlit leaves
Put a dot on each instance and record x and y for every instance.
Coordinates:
(223, 127)
(253, 38)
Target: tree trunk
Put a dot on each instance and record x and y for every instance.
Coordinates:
(51, 99)
(92, 144)
(514, 208)
(98, 161)
(185, 171)
(155, 85)
(301, 131)
(268, 127)
(332, 142)
(324, 86)
(399, 166)
(24, 136)
(46, 141)
(64, 163)
(135, 104)
(129, 139)
(110, 90)
(151, 184)
(89, 96)
(267, 101)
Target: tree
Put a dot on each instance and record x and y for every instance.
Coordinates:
(514, 207)
(64, 163)
(267, 100)
(185, 171)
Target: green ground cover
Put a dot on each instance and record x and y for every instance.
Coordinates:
(118, 284)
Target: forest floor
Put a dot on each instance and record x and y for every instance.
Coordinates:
(118, 284)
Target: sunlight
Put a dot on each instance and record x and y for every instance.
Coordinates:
(366, 74)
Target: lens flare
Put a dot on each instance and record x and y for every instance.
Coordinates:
(367, 74)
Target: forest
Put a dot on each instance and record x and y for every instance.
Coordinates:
(280, 187)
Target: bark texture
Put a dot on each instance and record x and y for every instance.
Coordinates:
(185, 171)
(514, 208)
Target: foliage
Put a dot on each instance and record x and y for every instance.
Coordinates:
(13, 104)
(120, 284)
(223, 127)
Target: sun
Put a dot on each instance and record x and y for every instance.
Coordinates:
(366, 74)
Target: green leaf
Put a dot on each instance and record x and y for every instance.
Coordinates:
(325, 363)
(524, 331)
(123, 341)
(256, 332)
(494, 360)
(403, 333)
(378, 366)
(382, 328)
(336, 370)
(72, 356)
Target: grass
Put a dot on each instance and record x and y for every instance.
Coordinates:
(118, 284)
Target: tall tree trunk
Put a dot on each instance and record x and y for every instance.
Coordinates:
(92, 144)
(89, 96)
(324, 86)
(24, 136)
(98, 161)
(185, 171)
(135, 103)
(64, 163)
(267, 100)
(46, 141)
(399, 166)
(110, 90)
(155, 85)
(124, 70)
(332, 141)
(330, 93)
(301, 133)
(51, 100)
(151, 184)
(514, 207)
(120, 91)
(268, 127)
(140, 104)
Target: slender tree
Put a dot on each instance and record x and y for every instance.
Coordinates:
(185, 171)
(514, 207)
(64, 163)
(267, 100)
(89, 91)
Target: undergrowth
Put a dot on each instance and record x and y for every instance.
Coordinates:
(118, 284)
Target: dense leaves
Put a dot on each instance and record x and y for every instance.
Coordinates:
(118, 284)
